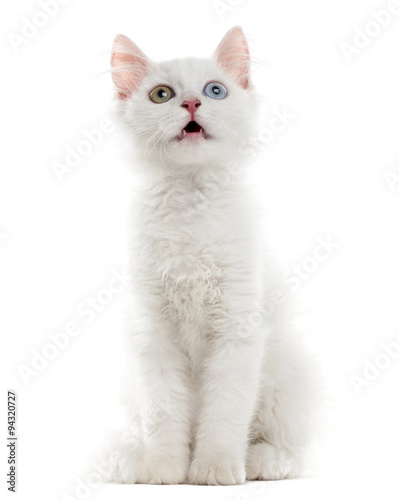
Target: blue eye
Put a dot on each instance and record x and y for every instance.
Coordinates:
(215, 90)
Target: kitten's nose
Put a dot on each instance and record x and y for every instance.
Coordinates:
(191, 106)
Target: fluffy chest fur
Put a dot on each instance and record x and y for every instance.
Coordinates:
(195, 243)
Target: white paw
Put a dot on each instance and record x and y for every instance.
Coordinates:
(221, 472)
(129, 462)
(127, 468)
(163, 470)
(117, 461)
(266, 462)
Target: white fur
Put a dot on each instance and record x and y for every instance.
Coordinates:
(222, 391)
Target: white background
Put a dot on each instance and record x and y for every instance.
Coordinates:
(323, 175)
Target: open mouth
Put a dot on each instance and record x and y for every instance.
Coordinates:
(192, 129)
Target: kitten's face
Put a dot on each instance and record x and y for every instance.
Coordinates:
(187, 111)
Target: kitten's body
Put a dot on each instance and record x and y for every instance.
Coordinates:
(222, 390)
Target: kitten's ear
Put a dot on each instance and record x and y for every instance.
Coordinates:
(232, 54)
(129, 65)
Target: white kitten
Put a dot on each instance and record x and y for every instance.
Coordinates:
(222, 390)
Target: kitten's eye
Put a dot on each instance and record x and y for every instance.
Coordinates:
(161, 94)
(215, 90)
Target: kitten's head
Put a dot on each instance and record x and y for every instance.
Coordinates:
(186, 112)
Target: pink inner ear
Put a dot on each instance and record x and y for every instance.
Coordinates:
(232, 54)
(129, 66)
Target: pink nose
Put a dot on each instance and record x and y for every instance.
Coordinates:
(191, 106)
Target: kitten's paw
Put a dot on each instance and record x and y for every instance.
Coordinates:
(163, 469)
(116, 461)
(266, 462)
(126, 468)
(124, 458)
(217, 472)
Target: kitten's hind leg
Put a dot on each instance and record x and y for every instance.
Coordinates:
(286, 420)
(266, 462)
(118, 458)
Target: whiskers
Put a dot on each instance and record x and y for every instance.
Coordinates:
(158, 141)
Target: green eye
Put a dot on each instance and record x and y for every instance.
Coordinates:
(161, 94)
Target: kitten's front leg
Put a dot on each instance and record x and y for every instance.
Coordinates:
(164, 408)
(228, 398)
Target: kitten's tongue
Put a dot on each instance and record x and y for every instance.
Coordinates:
(192, 129)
